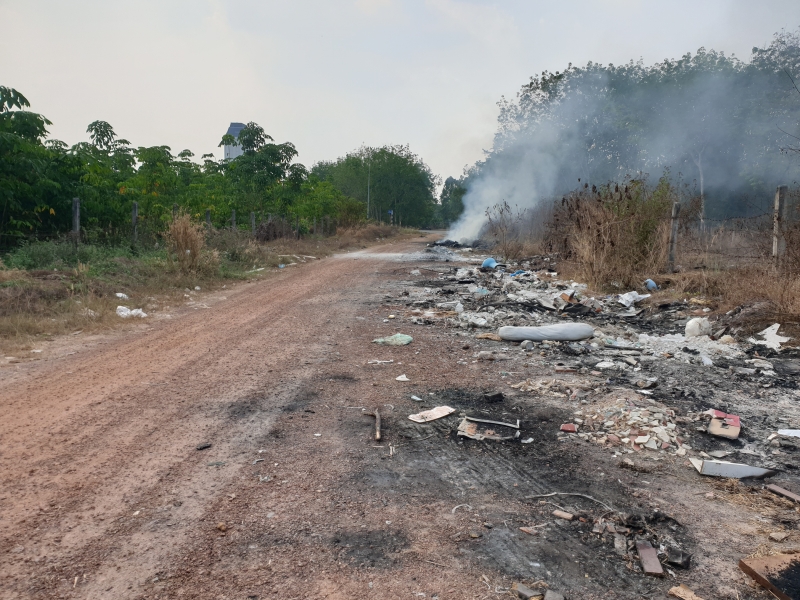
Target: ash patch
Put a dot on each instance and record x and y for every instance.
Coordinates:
(377, 549)
(247, 408)
(301, 400)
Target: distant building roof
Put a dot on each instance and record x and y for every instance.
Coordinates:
(235, 128)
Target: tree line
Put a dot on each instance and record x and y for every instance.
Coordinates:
(40, 176)
(721, 126)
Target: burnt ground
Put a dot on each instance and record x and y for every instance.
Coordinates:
(105, 496)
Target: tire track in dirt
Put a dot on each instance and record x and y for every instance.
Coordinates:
(90, 440)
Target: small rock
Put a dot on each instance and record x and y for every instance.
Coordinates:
(778, 536)
(475, 535)
(524, 592)
(488, 525)
(222, 526)
(551, 595)
(18, 549)
(203, 446)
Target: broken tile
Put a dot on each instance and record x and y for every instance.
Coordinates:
(649, 559)
(569, 428)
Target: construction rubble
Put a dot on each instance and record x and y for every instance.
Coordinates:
(650, 380)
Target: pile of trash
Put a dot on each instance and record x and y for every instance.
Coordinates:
(627, 427)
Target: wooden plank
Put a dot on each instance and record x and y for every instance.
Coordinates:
(780, 574)
(782, 492)
(649, 559)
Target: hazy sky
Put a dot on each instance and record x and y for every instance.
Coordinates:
(330, 75)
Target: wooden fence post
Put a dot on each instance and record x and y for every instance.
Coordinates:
(673, 235)
(135, 219)
(76, 220)
(778, 217)
(233, 219)
(253, 222)
(174, 211)
(298, 227)
(208, 219)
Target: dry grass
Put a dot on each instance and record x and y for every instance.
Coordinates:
(613, 237)
(39, 304)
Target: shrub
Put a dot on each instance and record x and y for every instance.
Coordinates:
(185, 239)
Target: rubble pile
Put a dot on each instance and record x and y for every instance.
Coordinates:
(627, 428)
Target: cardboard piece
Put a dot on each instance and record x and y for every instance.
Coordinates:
(721, 468)
(432, 414)
(780, 574)
(723, 425)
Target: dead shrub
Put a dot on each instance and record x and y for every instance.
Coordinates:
(615, 235)
(186, 240)
(504, 225)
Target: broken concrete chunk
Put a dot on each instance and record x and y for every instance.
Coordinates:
(649, 559)
(776, 573)
(551, 595)
(620, 543)
(563, 515)
(721, 468)
(778, 536)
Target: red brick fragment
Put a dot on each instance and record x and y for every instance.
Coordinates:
(569, 428)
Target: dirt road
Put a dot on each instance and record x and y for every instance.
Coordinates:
(105, 493)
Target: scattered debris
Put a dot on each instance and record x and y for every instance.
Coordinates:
(776, 573)
(489, 263)
(203, 446)
(697, 327)
(771, 338)
(649, 559)
(529, 530)
(683, 592)
(489, 336)
(432, 414)
(125, 312)
(494, 397)
(778, 536)
(631, 298)
(678, 558)
(570, 494)
(569, 428)
(416, 398)
(551, 595)
(524, 592)
(476, 420)
(783, 432)
(402, 377)
(561, 332)
(721, 468)
(470, 430)
(398, 339)
(563, 515)
(122, 296)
